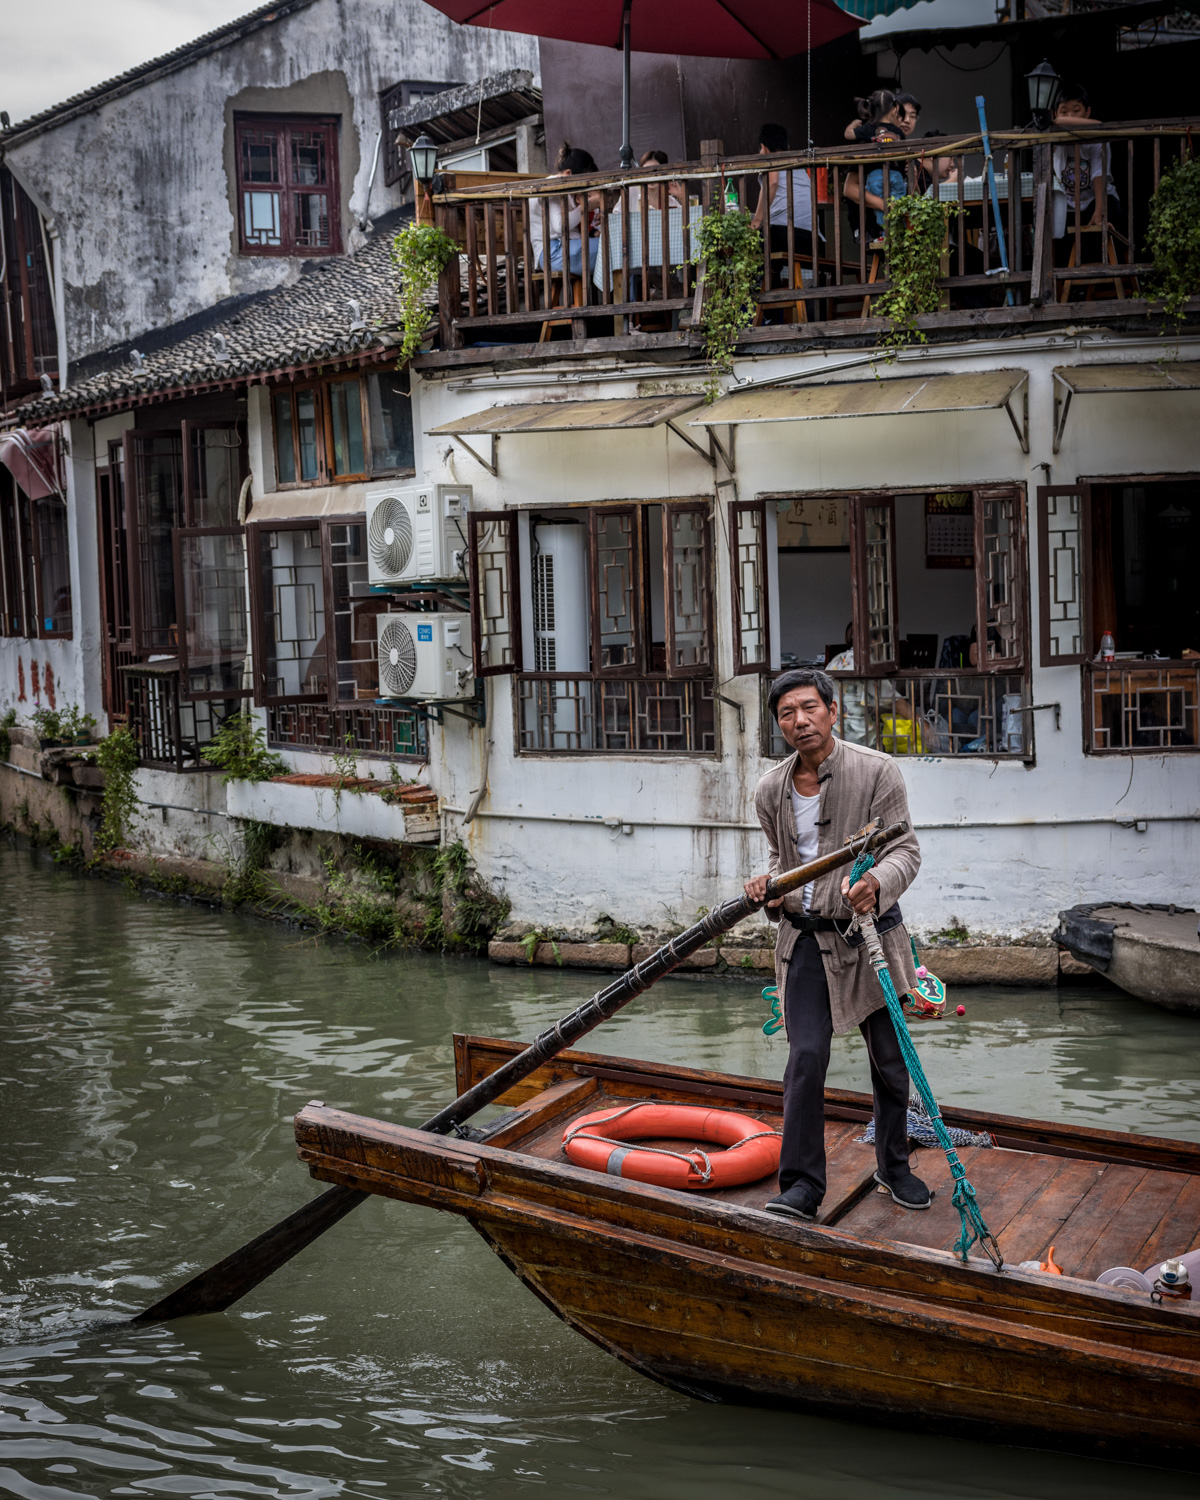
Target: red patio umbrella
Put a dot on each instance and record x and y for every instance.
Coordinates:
(695, 28)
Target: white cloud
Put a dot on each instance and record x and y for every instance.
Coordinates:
(55, 48)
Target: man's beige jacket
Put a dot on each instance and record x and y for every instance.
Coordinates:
(857, 784)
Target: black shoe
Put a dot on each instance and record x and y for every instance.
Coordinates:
(796, 1203)
(908, 1192)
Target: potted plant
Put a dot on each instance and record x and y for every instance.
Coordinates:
(76, 728)
(48, 727)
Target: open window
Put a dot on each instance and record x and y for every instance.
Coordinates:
(749, 555)
(873, 584)
(343, 429)
(214, 636)
(289, 616)
(287, 179)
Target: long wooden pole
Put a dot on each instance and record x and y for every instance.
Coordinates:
(230, 1279)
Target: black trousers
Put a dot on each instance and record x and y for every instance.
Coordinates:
(810, 1032)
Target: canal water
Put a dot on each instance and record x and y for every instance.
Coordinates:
(151, 1057)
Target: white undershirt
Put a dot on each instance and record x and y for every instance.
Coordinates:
(807, 837)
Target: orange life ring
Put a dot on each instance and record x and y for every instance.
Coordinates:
(597, 1141)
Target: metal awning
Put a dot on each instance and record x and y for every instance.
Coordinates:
(570, 416)
(974, 390)
(1097, 380)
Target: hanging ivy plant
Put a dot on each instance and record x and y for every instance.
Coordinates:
(731, 249)
(914, 236)
(117, 756)
(421, 253)
(1174, 237)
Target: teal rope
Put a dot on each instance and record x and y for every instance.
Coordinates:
(974, 1230)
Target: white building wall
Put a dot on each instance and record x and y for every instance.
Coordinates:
(1006, 845)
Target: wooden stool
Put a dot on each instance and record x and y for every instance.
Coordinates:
(1117, 282)
(555, 294)
(796, 312)
(876, 249)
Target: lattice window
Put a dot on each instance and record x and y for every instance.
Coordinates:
(1142, 708)
(873, 540)
(288, 201)
(291, 651)
(214, 639)
(617, 596)
(689, 601)
(1062, 573)
(495, 614)
(354, 610)
(748, 555)
(391, 733)
(999, 571)
(617, 715)
(154, 509)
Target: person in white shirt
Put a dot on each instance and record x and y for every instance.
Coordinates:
(1088, 182)
(545, 212)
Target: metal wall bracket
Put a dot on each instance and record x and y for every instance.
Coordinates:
(1062, 405)
(1033, 708)
(474, 710)
(1021, 428)
(493, 467)
(694, 446)
(733, 703)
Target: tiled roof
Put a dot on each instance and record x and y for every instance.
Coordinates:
(335, 310)
(157, 67)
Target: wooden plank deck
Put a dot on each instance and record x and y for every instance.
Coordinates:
(1095, 1215)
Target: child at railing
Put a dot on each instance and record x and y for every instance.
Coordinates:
(1082, 178)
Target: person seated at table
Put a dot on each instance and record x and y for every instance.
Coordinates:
(872, 193)
(771, 140)
(658, 194)
(860, 723)
(571, 160)
(1094, 187)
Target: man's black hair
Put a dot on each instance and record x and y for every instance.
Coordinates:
(773, 137)
(903, 99)
(1075, 92)
(801, 677)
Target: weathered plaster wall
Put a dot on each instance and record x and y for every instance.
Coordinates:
(140, 187)
(1025, 840)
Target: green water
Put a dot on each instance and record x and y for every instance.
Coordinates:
(151, 1058)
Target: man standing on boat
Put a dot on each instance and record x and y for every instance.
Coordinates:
(808, 806)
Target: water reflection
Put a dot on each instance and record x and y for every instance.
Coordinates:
(151, 1057)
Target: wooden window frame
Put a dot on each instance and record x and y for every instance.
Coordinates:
(190, 496)
(12, 570)
(327, 385)
(133, 531)
(704, 509)
(212, 695)
(1002, 664)
(284, 125)
(743, 668)
(1047, 656)
(258, 642)
(858, 504)
(357, 518)
(476, 520)
(639, 590)
(323, 476)
(42, 634)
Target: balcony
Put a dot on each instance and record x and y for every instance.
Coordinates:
(630, 283)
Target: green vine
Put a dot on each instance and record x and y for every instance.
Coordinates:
(914, 237)
(421, 253)
(731, 250)
(1174, 237)
(239, 748)
(117, 757)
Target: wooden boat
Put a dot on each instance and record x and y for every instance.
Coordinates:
(1152, 952)
(866, 1313)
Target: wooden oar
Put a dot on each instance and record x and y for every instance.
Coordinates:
(230, 1279)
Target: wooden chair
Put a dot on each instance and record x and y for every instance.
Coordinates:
(795, 312)
(877, 261)
(1116, 282)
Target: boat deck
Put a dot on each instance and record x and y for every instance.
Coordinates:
(1095, 1214)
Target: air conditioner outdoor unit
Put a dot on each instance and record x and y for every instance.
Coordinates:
(426, 657)
(417, 534)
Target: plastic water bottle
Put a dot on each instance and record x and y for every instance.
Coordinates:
(731, 196)
(1108, 648)
(1173, 1281)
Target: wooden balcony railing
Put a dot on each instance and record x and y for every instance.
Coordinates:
(631, 275)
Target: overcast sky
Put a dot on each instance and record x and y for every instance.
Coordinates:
(51, 49)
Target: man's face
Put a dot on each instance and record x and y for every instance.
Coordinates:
(906, 118)
(805, 721)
